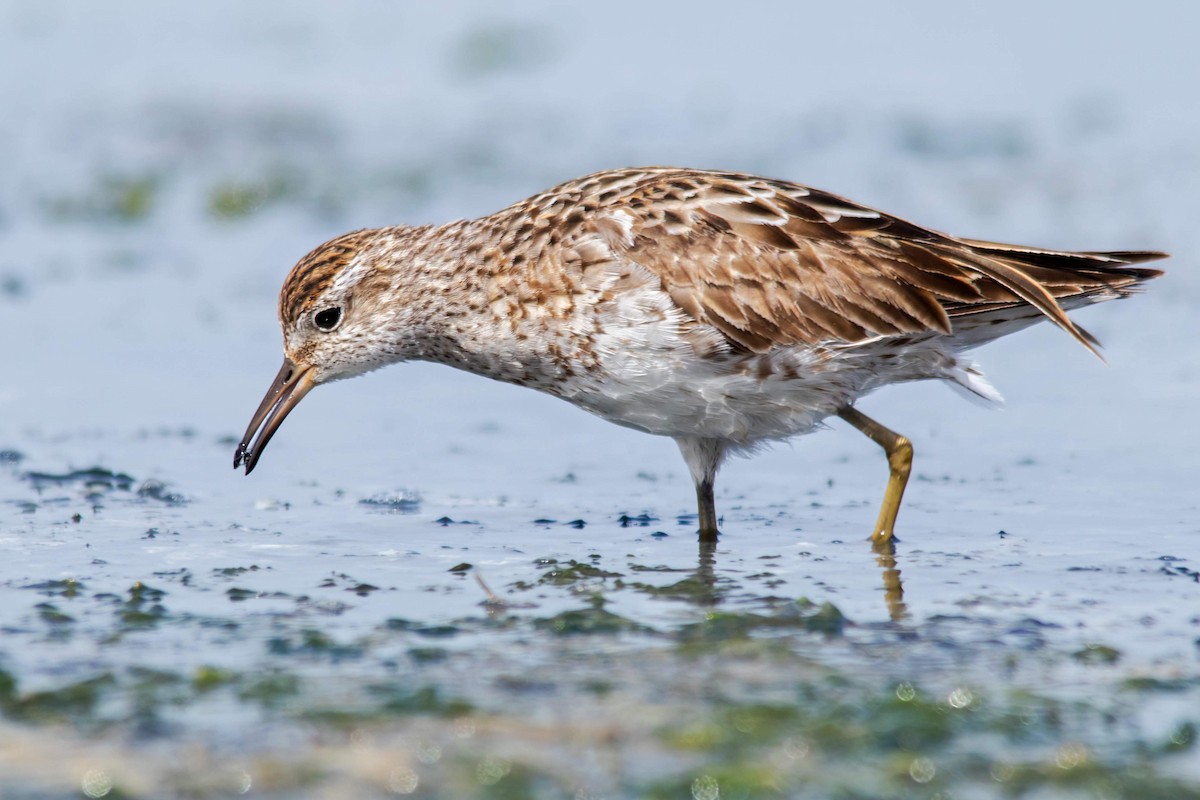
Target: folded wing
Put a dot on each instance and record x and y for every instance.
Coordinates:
(769, 263)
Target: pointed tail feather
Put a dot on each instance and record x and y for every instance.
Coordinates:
(1047, 280)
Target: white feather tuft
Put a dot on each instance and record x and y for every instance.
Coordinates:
(969, 381)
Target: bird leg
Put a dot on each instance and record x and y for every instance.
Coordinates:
(704, 457)
(900, 454)
(708, 511)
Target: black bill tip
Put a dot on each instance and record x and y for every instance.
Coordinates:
(288, 388)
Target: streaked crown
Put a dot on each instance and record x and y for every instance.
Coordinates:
(313, 274)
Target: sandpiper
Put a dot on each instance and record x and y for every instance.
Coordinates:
(720, 309)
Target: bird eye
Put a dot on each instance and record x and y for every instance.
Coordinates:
(327, 318)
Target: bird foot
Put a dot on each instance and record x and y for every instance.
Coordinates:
(883, 536)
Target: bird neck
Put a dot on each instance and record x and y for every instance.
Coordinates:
(468, 305)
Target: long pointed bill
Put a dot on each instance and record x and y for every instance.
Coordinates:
(288, 389)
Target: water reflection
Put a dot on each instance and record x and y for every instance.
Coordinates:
(706, 593)
(706, 576)
(893, 588)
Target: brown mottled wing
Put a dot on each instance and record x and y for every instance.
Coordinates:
(769, 263)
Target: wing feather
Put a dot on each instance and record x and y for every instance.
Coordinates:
(769, 263)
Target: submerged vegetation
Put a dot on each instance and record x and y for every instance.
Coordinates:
(581, 673)
(756, 702)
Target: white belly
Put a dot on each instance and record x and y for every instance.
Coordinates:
(650, 377)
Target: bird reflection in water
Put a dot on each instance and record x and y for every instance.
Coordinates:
(885, 558)
(893, 588)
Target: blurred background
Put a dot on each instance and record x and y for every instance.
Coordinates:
(164, 174)
(165, 165)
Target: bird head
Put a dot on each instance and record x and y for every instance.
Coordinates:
(337, 323)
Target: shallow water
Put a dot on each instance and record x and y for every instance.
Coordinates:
(439, 586)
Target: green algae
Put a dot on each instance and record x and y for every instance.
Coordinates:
(238, 199)
(313, 642)
(121, 199)
(795, 723)
(800, 615)
(594, 619)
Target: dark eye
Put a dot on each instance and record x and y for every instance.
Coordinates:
(327, 318)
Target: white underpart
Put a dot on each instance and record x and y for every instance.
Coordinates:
(702, 456)
(967, 378)
(653, 380)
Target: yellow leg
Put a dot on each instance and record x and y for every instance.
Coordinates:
(900, 454)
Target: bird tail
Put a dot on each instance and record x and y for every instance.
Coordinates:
(1025, 285)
